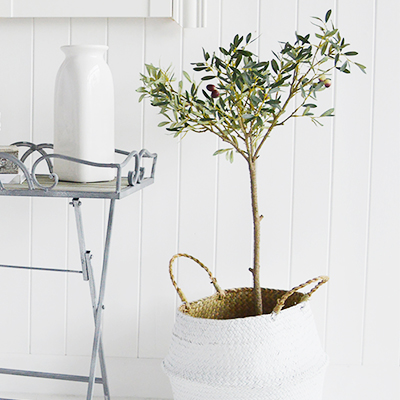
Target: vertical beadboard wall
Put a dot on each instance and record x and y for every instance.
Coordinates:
(330, 197)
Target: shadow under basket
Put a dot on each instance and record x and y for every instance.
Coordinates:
(221, 350)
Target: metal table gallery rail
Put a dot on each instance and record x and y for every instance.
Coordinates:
(48, 185)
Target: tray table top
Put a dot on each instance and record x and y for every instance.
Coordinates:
(48, 185)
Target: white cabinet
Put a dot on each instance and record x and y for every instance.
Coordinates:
(188, 13)
(86, 8)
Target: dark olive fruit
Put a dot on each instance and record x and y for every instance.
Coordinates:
(327, 82)
(210, 87)
(214, 94)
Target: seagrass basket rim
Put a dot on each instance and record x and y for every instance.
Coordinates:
(238, 303)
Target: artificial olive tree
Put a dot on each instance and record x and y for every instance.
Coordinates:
(245, 99)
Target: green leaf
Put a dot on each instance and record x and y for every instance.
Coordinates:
(229, 156)
(328, 113)
(223, 51)
(248, 117)
(289, 67)
(247, 79)
(337, 59)
(218, 63)
(327, 15)
(150, 68)
(220, 151)
(238, 59)
(248, 37)
(187, 76)
(362, 67)
(259, 122)
(316, 122)
(206, 119)
(207, 77)
(206, 55)
(206, 95)
(319, 19)
(344, 66)
(331, 33)
(245, 53)
(319, 86)
(254, 100)
(159, 103)
(351, 53)
(161, 124)
(323, 48)
(310, 105)
(275, 66)
(261, 64)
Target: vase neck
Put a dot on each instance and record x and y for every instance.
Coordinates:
(88, 50)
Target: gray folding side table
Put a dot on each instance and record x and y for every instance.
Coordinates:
(48, 185)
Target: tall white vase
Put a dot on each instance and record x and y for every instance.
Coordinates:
(84, 114)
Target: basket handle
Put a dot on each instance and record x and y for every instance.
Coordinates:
(281, 302)
(178, 289)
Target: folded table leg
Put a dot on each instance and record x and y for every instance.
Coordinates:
(97, 301)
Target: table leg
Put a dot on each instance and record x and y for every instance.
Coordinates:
(97, 302)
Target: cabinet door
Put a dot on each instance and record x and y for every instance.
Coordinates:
(85, 8)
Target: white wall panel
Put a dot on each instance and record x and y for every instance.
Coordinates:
(15, 213)
(382, 306)
(160, 205)
(234, 230)
(275, 165)
(49, 217)
(89, 31)
(14, 284)
(125, 59)
(350, 196)
(48, 291)
(50, 35)
(238, 17)
(198, 175)
(312, 180)
(16, 43)
(126, 40)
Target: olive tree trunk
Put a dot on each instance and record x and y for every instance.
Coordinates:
(256, 237)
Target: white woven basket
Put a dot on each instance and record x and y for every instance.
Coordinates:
(274, 356)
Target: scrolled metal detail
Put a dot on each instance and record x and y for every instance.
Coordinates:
(134, 177)
(32, 147)
(145, 153)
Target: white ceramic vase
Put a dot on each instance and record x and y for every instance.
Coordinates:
(84, 114)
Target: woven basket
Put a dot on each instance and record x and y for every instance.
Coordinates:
(221, 351)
